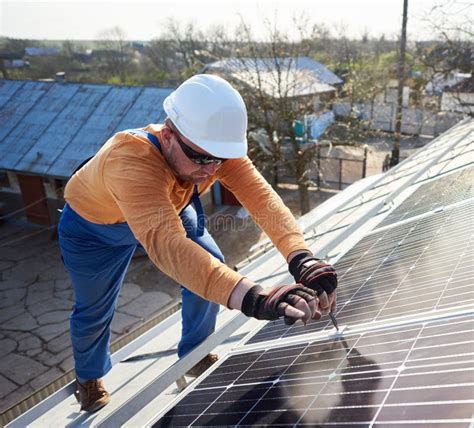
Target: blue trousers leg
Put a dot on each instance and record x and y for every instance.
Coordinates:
(198, 315)
(97, 258)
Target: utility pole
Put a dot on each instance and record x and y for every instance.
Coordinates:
(401, 80)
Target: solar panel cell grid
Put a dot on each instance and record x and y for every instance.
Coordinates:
(457, 157)
(430, 260)
(438, 193)
(417, 373)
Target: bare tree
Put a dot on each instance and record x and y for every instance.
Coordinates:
(452, 47)
(187, 43)
(115, 52)
(365, 76)
(219, 43)
(161, 53)
(277, 94)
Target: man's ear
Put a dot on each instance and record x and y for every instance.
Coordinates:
(166, 136)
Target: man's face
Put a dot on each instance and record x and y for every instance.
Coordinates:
(183, 165)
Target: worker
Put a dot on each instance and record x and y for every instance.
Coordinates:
(137, 191)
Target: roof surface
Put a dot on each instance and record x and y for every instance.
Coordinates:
(50, 128)
(41, 51)
(280, 77)
(465, 86)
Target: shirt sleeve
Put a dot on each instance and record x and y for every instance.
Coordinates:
(264, 205)
(140, 181)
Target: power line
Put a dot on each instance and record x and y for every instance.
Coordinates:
(22, 238)
(24, 208)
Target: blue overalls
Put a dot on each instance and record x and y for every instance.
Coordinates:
(97, 257)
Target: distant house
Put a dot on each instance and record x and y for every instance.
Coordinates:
(439, 82)
(108, 53)
(47, 129)
(30, 52)
(16, 63)
(85, 56)
(460, 97)
(289, 77)
(13, 59)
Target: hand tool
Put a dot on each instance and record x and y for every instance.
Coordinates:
(334, 321)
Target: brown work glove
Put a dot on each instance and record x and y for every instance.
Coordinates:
(317, 275)
(291, 301)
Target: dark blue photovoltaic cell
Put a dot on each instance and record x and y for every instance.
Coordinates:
(390, 376)
(431, 259)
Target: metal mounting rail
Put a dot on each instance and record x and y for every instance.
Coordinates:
(28, 410)
(158, 385)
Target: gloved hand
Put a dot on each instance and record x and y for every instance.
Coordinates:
(321, 277)
(291, 301)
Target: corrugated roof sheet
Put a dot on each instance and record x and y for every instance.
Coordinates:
(296, 83)
(49, 128)
(280, 77)
(41, 51)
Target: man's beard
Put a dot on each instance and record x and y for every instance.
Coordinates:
(189, 178)
(197, 180)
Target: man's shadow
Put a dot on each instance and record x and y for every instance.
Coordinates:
(311, 401)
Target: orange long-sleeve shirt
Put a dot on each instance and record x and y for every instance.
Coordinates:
(130, 181)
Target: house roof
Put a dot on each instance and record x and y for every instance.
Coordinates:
(465, 86)
(296, 83)
(49, 128)
(41, 51)
(440, 82)
(299, 75)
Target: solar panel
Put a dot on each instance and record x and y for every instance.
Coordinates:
(381, 372)
(460, 156)
(403, 375)
(459, 135)
(431, 258)
(437, 193)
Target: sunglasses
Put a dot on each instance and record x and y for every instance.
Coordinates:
(196, 157)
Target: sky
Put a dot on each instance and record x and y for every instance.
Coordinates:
(146, 19)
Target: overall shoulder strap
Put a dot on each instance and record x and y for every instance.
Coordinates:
(201, 219)
(152, 138)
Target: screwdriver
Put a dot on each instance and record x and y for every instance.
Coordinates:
(334, 321)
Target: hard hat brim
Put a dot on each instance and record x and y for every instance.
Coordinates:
(228, 150)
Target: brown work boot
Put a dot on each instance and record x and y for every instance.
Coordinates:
(202, 366)
(91, 395)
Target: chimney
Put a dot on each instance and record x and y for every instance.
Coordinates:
(60, 77)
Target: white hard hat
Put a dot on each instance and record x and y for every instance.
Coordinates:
(208, 111)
